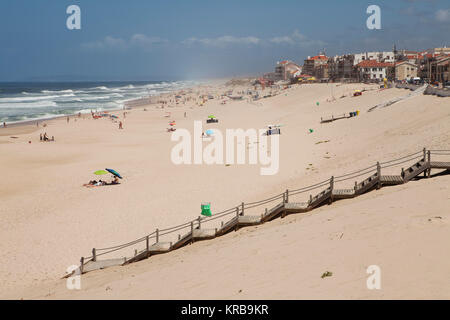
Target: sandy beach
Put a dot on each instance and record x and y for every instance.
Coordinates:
(49, 220)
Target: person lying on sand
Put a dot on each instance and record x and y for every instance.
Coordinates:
(100, 183)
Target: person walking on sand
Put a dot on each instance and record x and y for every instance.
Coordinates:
(120, 125)
(4, 124)
(68, 119)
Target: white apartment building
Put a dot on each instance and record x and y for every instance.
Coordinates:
(382, 56)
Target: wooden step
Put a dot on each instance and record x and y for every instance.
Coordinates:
(439, 165)
(102, 264)
(391, 180)
(203, 234)
(415, 170)
(343, 193)
(367, 184)
(296, 207)
(184, 240)
(160, 247)
(249, 220)
(228, 226)
(320, 198)
(273, 213)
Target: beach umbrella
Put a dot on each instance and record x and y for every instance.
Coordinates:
(211, 117)
(209, 132)
(114, 172)
(100, 172)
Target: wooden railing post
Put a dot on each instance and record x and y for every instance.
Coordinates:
(331, 190)
(192, 231)
(429, 164)
(310, 198)
(356, 185)
(199, 221)
(81, 265)
(403, 173)
(237, 219)
(94, 255)
(379, 175)
(147, 243)
(424, 154)
(287, 195)
(242, 205)
(157, 235)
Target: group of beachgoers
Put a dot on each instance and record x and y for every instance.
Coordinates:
(45, 138)
(99, 183)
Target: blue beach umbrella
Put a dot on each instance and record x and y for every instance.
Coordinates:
(209, 132)
(114, 172)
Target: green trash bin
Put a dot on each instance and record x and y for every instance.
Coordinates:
(206, 209)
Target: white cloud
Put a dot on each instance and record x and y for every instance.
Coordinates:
(443, 15)
(137, 40)
(294, 39)
(297, 39)
(143, 40)
(223, 41)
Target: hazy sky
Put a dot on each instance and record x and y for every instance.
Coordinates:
(190, 39)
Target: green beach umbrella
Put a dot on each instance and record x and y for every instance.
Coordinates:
(211, 117)
(100, 172)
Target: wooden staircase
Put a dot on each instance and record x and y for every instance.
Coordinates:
(415, 170)
(376, 180)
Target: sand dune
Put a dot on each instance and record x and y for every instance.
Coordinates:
(403, 230)
(49, 220)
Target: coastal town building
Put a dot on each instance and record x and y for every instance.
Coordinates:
(381, 56)
(342, 68)
(312, 63)
(405, 70)
(439, 51)
(322, 72)
(440, 70)
(284, 70)
(373, 70)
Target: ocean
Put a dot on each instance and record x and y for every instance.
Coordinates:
(38, 100)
